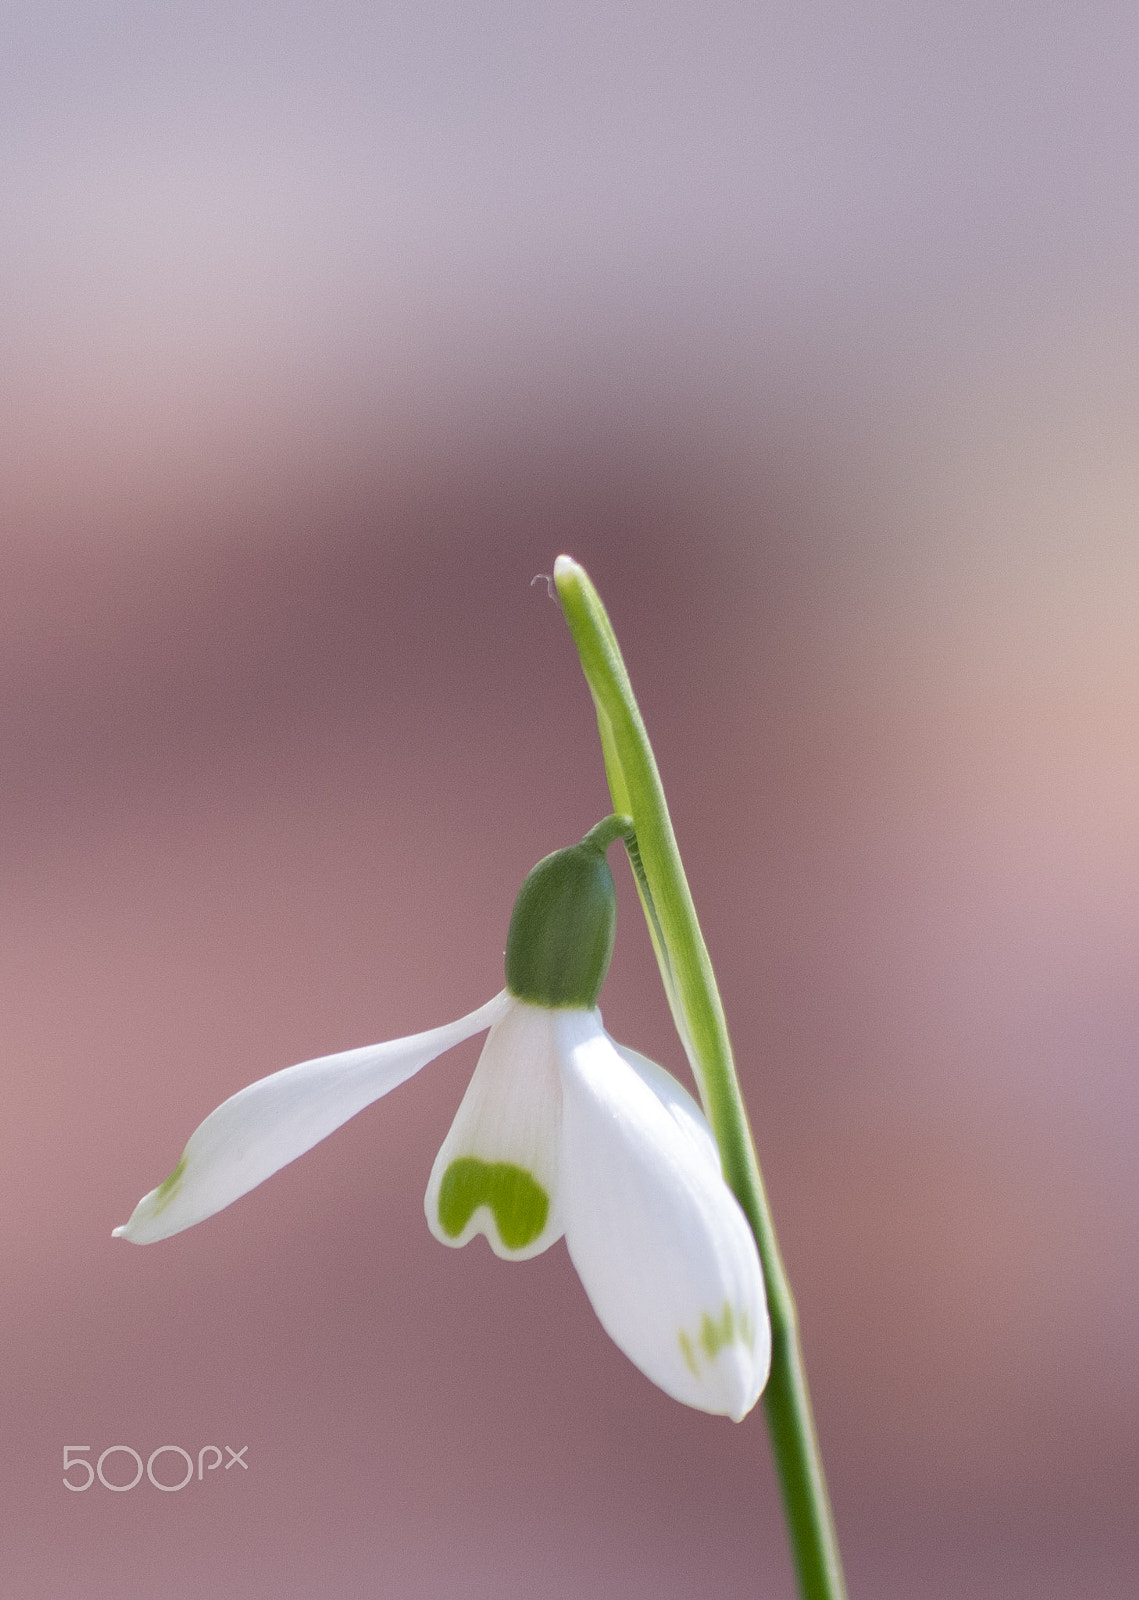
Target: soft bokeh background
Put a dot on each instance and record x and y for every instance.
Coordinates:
(811, 330)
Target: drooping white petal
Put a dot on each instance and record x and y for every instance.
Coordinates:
(658, 1239)
(263, 1127)
(679, 1104)
(497, 1170)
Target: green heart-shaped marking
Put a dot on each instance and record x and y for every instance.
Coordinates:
(519, 1203)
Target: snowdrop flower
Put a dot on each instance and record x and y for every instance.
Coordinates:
(561, 1132)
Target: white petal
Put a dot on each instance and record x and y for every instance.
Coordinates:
(679, 1104)
(497, 1170)
(659, 1240)
(263, 1127)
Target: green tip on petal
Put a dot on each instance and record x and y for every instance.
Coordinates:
(519, 1203)
(716, 1334)
(169, 1187)
(153, 1204)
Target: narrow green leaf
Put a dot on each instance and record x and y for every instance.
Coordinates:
(690, 985)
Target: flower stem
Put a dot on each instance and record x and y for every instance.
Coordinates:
(690, 985)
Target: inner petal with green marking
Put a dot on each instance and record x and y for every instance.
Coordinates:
(518, 1202)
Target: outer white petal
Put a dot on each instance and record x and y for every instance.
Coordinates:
(659, 1241)
(679, 1104)
(263, 1127)
(497, 1170)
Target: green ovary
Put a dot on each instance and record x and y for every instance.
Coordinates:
(519, 1203)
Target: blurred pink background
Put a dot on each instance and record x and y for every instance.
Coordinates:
(811, 331)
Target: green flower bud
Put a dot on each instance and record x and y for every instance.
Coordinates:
(561, 930)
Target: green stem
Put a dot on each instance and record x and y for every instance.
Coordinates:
(690, 985)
